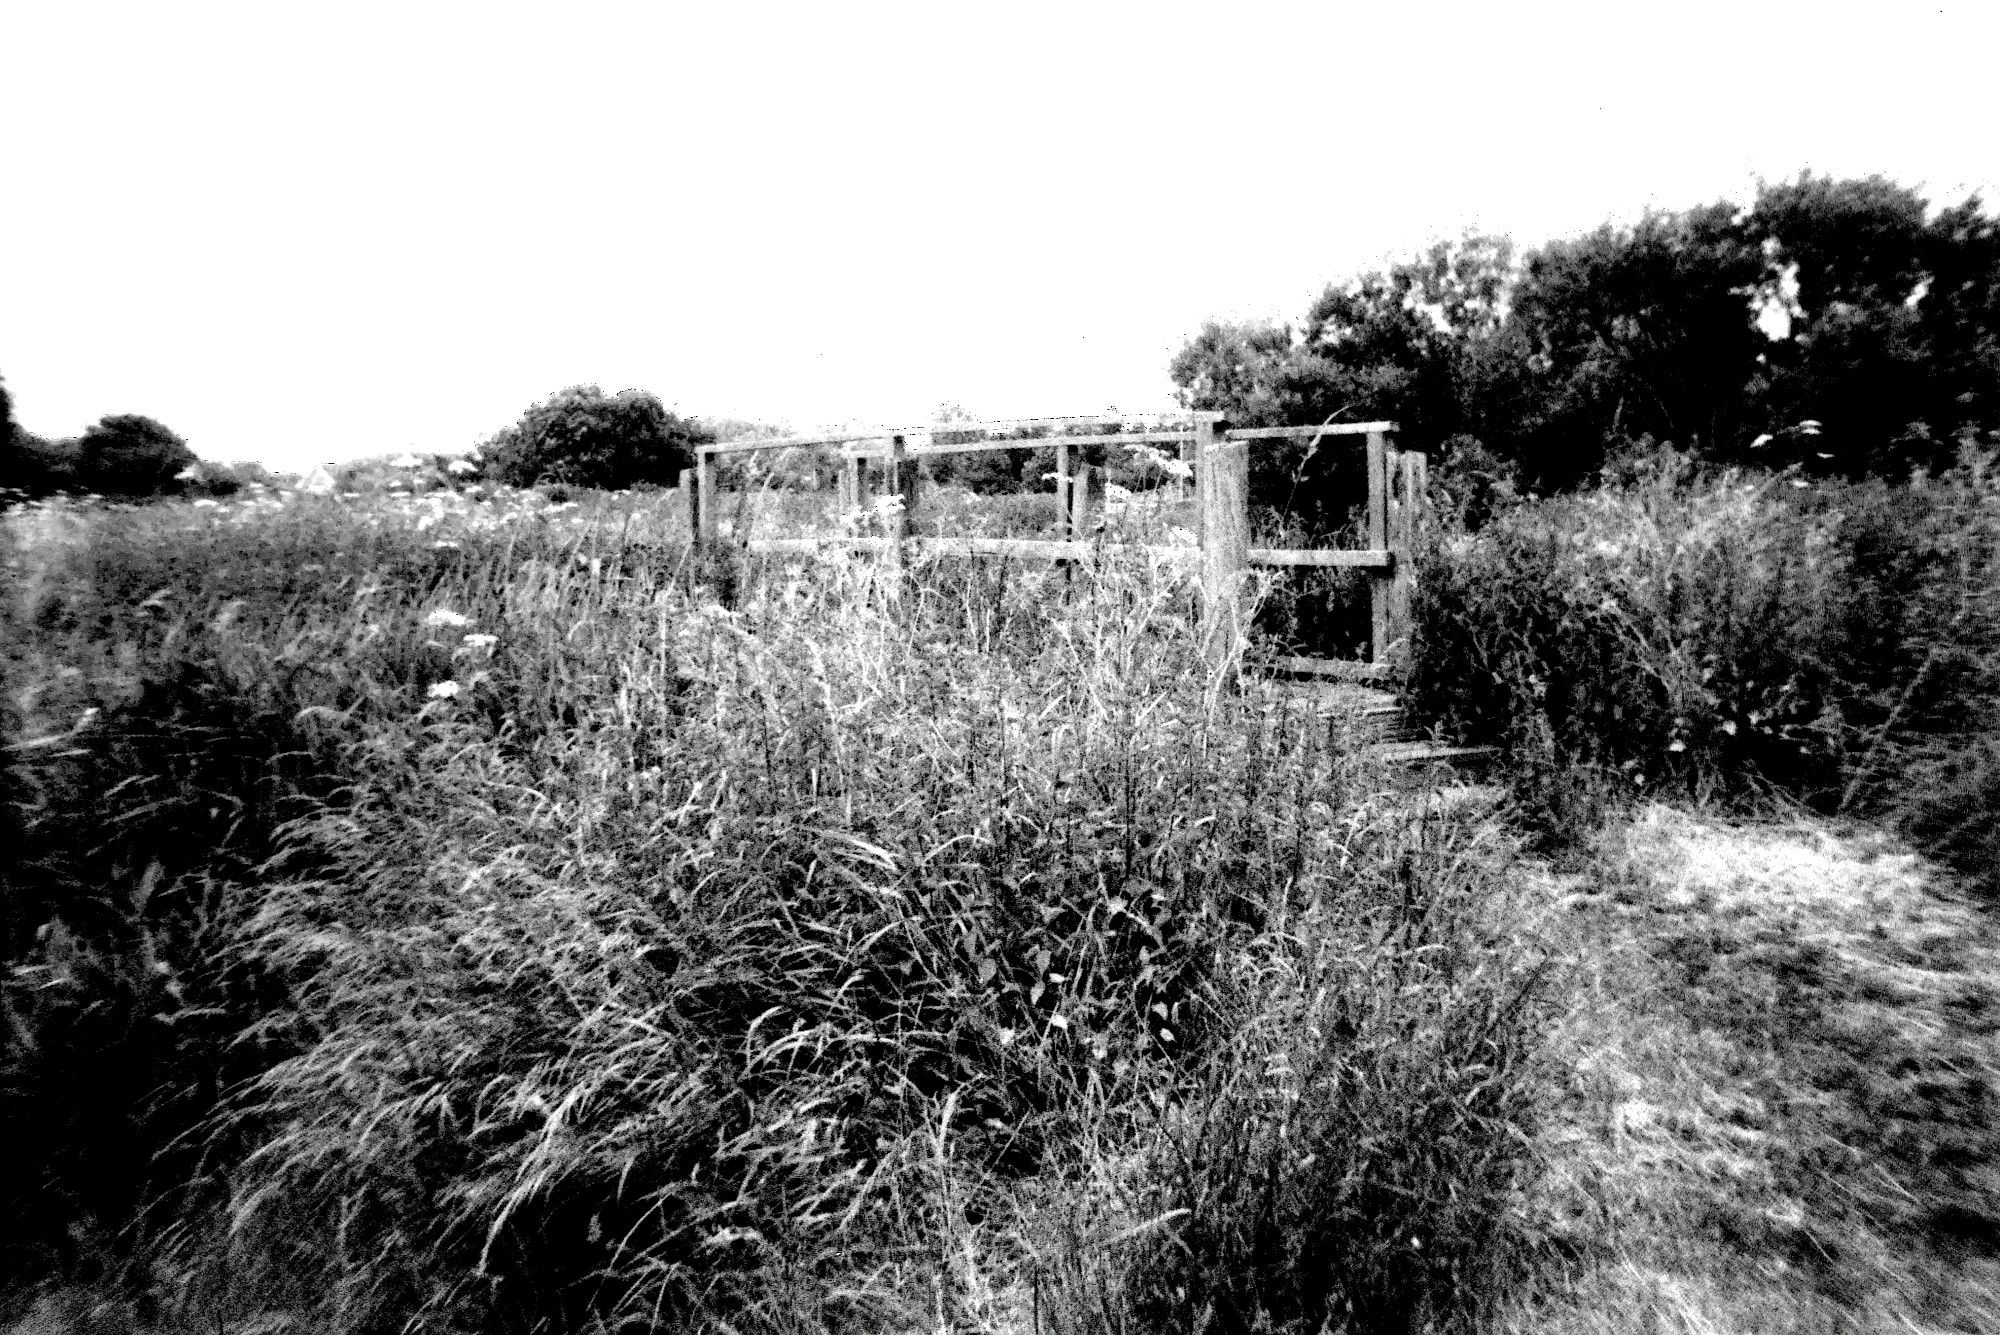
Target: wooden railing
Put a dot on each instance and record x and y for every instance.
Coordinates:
(1220, 459)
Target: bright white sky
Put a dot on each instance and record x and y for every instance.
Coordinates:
(305, 232)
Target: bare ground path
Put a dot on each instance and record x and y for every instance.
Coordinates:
(1780, 1055)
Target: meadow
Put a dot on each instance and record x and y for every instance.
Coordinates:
(465, 910)
(438, 913)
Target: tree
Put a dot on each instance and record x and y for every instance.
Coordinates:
(1412, 343)
(1633, 332)
(1891, 345)
(585, 437)
(130, 455)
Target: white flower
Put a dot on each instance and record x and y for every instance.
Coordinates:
(462, 466)
(444, 616)
(443, 690)
(481, 641)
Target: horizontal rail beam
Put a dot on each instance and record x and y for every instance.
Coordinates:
(812, 546)
(1307, 432)
(1364, 559)
(1339, 669)
(980, 446)
(794, 442)
(887, 433)
(1033, 549)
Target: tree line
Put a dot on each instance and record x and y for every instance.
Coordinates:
(1837, 326)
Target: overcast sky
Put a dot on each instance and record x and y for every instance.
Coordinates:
(298, 233)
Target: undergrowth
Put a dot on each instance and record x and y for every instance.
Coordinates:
(1717, 633)
(470, 917)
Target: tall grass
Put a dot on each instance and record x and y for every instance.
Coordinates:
(543, 941)
(1721, 632)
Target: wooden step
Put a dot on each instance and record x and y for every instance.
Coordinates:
(1410, 753)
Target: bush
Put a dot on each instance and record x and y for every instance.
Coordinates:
(1723, 632)
(574, 950)
(131, 456)
(585, 437)
(125, 456)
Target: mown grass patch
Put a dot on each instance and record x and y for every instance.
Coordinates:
(1781, 1114)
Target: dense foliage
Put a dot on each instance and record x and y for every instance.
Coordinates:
(585, 437)
(529, 942)
(124, 455)
(1714, 630)
(1838, 325)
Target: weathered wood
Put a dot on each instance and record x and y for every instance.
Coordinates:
(1308, 432)
(901, 484)
(785, 443)
(1063, 481)
(707, 502)
(1340, 669)
(1060, 442)
(1032, 549)
(1225, 544)
(1378, 536)
(681, 510)
(812, 546)
(850, 487)
(1406, 502)
(1086, 492)
(1348, 559)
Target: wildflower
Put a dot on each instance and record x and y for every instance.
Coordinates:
(444, 616)
(481, 641)
(462, 466)
(445, 545)
(443, 690)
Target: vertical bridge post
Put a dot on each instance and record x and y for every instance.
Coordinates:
(1379, 597)
(1222, 471)
(685, 515)
(1063, 530)
(706, 501)
(851, 465)
(1410, 482)
(902, 484)
(1085, 489)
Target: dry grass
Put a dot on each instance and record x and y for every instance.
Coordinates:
(569, 943)
(1780, 1114)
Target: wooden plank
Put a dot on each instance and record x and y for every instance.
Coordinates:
(1063, 482)
(707, 502)
(1225, 544)
(1031, 549)
(681, 519)
(786, 443)
(1340, 669)
(1086, 491)
(1378, 537)
(902, 485)
(1308, 432)
(1046, 550)
(812, 546)
(1322, 556)
(1406, 503)
(851, 490)
(1427, 753)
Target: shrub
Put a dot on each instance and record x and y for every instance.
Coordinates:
(646, 961)
(131, 456)
(1720, 632)
(585, 437)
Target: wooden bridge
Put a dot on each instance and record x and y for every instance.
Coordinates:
(1219, 457)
